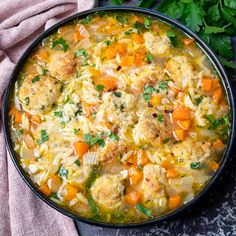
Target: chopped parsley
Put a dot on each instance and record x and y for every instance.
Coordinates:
(107, 42)
(91, 140)
(140, 207)
(195, 165)
(163, 85)
(76, 131)
(94, 115)
(148, 91)
(81, 52)
(54, 195)
(58, 114)
(44, 137)
(85, 20)
(117, 94)
(77, 162)
(147, 22)
(150, 58)
(198, 100)
(166, 140)
(35, 79)
(62, 43)
(19, 132)
(128, 32)
(112, 136)
(100, 87)
(160, 117)
(172, 38)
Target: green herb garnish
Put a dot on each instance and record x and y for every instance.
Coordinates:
(77, 162)
(107, 42)
(100, 87)
(81, 52)
(163, 85)
(27, 101)
(62, 43)
(63, 172)
(198, 100)
(94, 208)
(117, 94)
(140, 207)
(172, 38)
(166, 140)
(35, 79)
(44, 137)
(93, 140)
(150, 58)
(195, 165)
(160, 117)
(58, 114)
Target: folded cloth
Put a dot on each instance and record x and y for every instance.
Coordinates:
(22, 213)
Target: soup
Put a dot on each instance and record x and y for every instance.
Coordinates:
(119, 117)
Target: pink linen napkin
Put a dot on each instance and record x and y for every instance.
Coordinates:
(21, 212)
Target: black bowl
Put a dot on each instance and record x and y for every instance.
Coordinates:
(167, 20)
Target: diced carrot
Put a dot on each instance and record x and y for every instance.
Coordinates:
(188, 41)
(134, 176)
(142, 158)
(179, 134)
(139, 19)
(42, 55)
(155, 28)
(36, 119)
(181, 95)
(62, 29)
(16, 114)
(133, 198)
(206, 85)
(70, 192)
(213, 165)
(155, 99)
(45, 190)
(137, 38)
(96, 73)
(174, 201)
(54, 183)
(175, 91)
(81, 148)
(111, 53)
(218, 145)
(77, 36)
(181, 113)
(215, 84)
(120, 48)
(138, 59)
(217, 95)
(184, 124)
(166, 164)
(127, 60)
(108, 82)
(172, 173)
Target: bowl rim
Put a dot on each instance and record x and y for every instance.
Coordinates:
(207, 51)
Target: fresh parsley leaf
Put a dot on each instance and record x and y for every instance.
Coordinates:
(163, 85)
(146, 22)
(147, 97)
(160, 117)
(62, 43)
(140, 207)
(117, 94)
(128, 32)
(81, 52)
(172, 38)
(195, 165)
(112, 136)
(166, 140)
(150, 58)
(230, 3)
(77, 162)
(213, 13)
(44, 137)
(100, 87)
(149, 89)
(198, 100)
(121, 19)
(58, 114)
(35, 79)
(228, 16)
(145, 3)
(116, 2)
(93, 140)
(107, 42)
(213, 29)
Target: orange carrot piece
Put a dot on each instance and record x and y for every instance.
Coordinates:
(166, 164)
(16, 114)
(175, 91)
(45, 190)
(96, 73)
(138, 59)
(77, 36)
(155, 28)
(174, 201)
(142, 158)
(139, 19)
(134, 176)
(179, 134)
(215, 84)
(213, 165)
(80, 148)
(206, 85)
(188, 41)
(184, 124)
(127, 60)
(70, 192)
(218, 145)
(137, 38)
(172, 173)
(111, 53)
(217, 95)
(181, 113)
(108, 82)
(133, 198)
(36, 119)
(42, 55)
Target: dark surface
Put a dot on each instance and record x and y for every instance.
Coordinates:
(214, 215)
